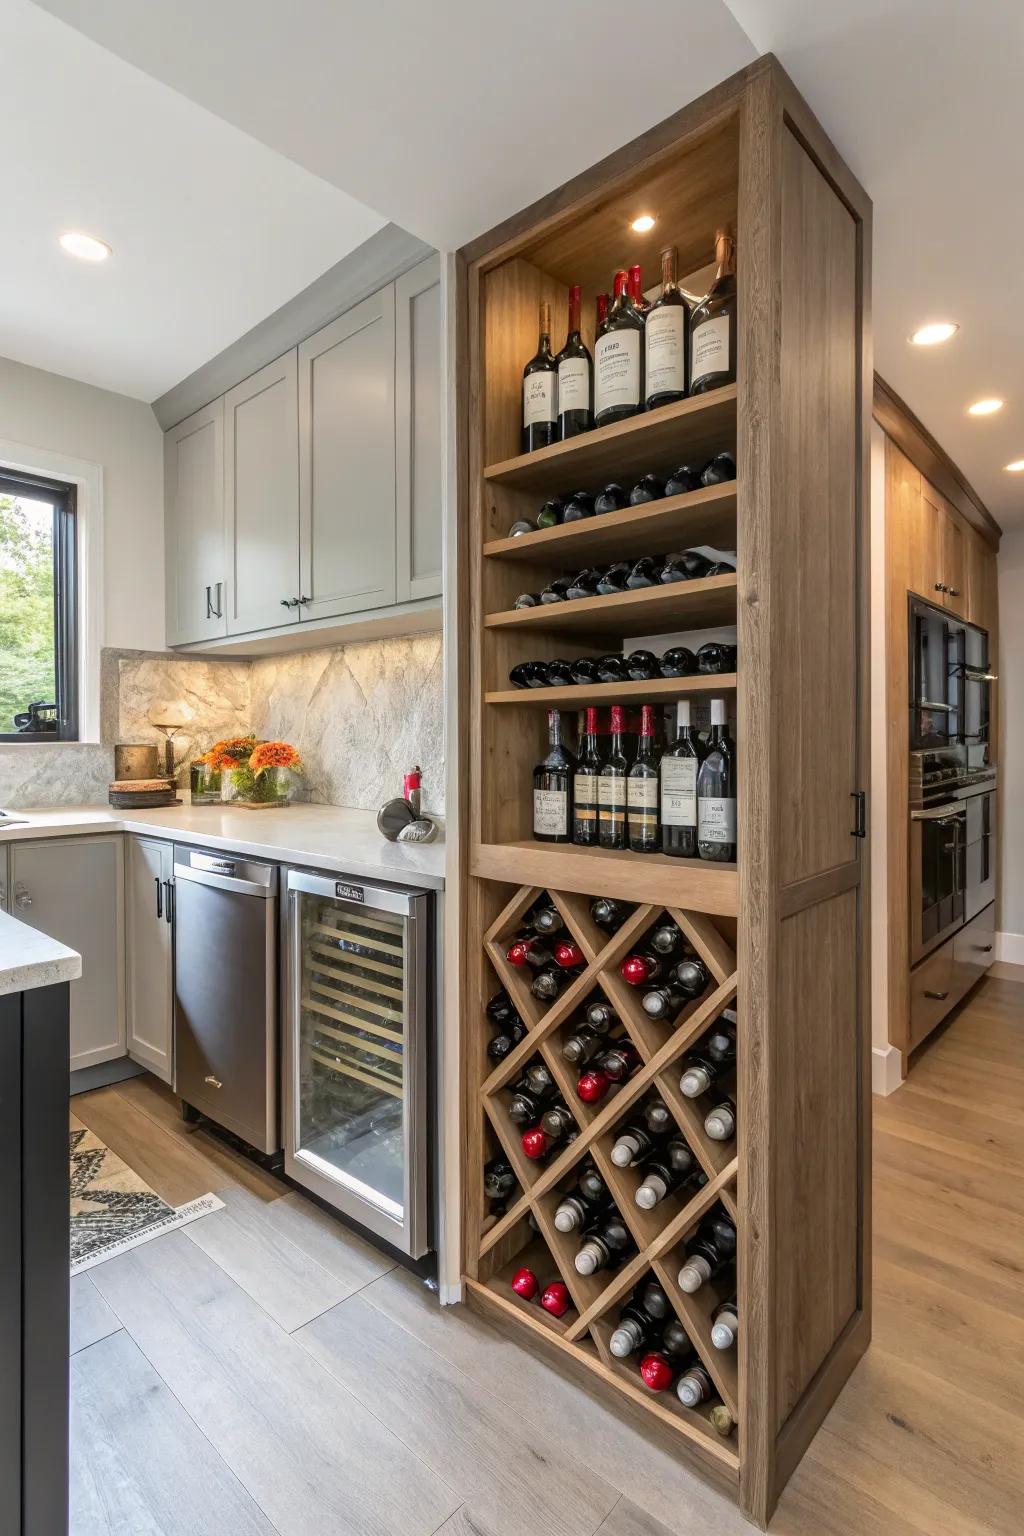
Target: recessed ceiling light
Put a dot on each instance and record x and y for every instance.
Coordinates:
(1016, 466)
(85, 247)
(641, 225)
(930, 335)
(985, 407)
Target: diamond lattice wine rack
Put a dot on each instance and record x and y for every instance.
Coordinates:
(780, 932)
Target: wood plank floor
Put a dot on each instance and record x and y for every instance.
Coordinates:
(265, 1371)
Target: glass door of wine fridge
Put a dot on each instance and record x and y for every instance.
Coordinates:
(355, 1054)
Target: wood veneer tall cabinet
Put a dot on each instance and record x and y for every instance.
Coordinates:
(782, 932)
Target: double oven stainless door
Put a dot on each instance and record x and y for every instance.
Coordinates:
(355, 1047)
(952, 868)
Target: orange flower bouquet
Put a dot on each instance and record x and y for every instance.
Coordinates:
(208, 770)
(265, 777)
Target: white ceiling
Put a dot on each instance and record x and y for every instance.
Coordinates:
(211, 230)
(447, 119)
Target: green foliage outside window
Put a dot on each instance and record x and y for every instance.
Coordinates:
(27, 670)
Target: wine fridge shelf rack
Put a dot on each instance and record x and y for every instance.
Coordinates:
(657, 1233)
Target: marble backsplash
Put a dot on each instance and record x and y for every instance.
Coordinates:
(360, 715)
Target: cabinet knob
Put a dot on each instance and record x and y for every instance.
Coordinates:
(290, 602)
(304, 600)
(213, 1081)
(953, 591)
(22, 899)
(940, 586)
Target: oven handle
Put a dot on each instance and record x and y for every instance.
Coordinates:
(951, 810)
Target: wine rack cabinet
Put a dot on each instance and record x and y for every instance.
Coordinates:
(781, 931)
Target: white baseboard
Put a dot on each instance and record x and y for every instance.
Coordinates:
(1010, 948)
(886, 1070)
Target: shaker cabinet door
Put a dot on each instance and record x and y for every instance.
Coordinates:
(261, 487)
(418, 430)
(194, 526)
(347, 462)
(73, 890)
(148, 931)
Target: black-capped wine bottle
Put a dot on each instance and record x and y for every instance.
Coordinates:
(575, 377)
(552, 788)
(716, 792)
(540, 390)
(585, 784)
(667, 334)
(713, 325)
(608, 913)
(694, 1387)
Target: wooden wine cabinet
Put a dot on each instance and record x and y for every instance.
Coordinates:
(782, 932)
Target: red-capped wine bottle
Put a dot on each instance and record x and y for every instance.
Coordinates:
(713, 325)
(575, 377)
(636, 292)
(618, 359)
(604, 1248)
(568, 955)
(593, 1086)
(680, 764)
(642, 789)
(667, 334)
(666, 1171)
(725, 1325)
(552, 788)
(720, 1122)
(694, 1387)
(585, 784)
(708, 1252)
(608, 913)
(611, 786)
(641, 967)
(633, 1143)
(716, 792)
(540, 390)
(529, 950)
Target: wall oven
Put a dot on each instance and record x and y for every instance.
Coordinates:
(950, 682)
(952, 863)
(356, 1107)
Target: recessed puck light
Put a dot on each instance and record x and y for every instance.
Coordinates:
(641, 225)
(935, 331)
(85, 247)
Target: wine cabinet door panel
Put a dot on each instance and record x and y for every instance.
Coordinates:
(347, 462)
(261, 454)
(194, 526)
(418, 430)
(816, 658)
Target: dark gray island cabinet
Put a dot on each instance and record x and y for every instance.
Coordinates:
(34, 1254)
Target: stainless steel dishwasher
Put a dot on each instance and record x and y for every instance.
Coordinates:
(225, 993)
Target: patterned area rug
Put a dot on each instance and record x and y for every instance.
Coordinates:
(112, 1209)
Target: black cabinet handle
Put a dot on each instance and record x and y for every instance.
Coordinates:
(218, 612)
(209, 610)
(159, 897)
(953, 591)
(986, 949)
(940, 586)
(937, 997)
(169, 900)
(290, 602)
(860, 825)
(304, 600)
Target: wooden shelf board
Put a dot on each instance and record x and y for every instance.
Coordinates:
(706, 516)
(657, 690)
(681, 605)
(652, 441)
(653, 877)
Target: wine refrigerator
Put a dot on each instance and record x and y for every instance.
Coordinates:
(356, 1037)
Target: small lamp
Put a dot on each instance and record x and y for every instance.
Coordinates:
(169, 717)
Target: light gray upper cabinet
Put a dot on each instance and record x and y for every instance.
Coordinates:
(261, 495)
(149, 871)
(194, 526)
(347, 462)
(418, 431)
(72, 888)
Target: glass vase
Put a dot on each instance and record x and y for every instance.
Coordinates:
(205, 783)
(258, 791)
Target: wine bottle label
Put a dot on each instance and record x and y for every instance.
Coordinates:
(574, 384)
(551, 812)
(716, 820)
(540, 398)
(611, 795)
(584, 793)
(617, 370)
(710, 349)
(679, 791)
(666, 350)
(642, 801)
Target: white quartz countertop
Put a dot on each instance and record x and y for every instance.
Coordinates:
(346, 842)
(30, 959)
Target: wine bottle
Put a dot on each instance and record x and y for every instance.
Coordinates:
(584, 670)
(555, 591)
(584, 584)
(725, 1325)
(719, 470)
(683, 480)
(642, 666)
(713, 325)
(707, 1252)
(501, 1010)
(568, 955)
(548, 983)
(520, 526)
(505, 1041)
(716, 792)
(545, 918)
(618, 359)
(690, 975)
(642, 789)
(527, 600)
(592, 1186)
(554, 1122)
(640, 302)
(655, 1301)
(684, 565)
(662, 1002)
(550, 514)
(643, 574)
(631, 1145)
(611, 787)
(636, 1329)
(526, 1105)
(694, 1387)
(575, 377)
(609, 914)
(583, 1046)
(558, 673)
(702, 1071)
(667, 1170)
(648, 488)
(676, 1343)
(666, 334)
(657, 1116)
(552, 788)
(601, 1016)
(714, 656)
(666, 938)
(578, 1209)
(678, 661)
(529, 674)
(604, 1248)
(720, 1122)
(593, 1086)
(540, 390)
(579, 505)
(612, 669)
(641, 966)
(613, 579)
(602, 305)
(499, 1179)
(538, 1079)
(620, 1061)
(529, 949)
(611, 499)
(720, 1041)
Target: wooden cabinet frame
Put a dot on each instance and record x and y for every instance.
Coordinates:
(749, 152)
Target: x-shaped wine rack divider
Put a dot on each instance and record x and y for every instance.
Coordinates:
(660, 1047)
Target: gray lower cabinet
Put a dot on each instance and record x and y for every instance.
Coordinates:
(347, 462)
(194, 526)
(261, 497)
(148, 911)
(418, 474)
(72, 888)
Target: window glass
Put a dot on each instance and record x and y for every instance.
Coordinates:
(27, 632)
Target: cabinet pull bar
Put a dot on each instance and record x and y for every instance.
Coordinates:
(159, 897)
(937, 997)
(860, 826)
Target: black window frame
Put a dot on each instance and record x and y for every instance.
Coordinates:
(65, 596)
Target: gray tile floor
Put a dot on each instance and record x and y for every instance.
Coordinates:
(264, 1371)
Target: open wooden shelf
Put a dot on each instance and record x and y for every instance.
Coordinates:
(679, 606)
(695, 883)
(656, 690)
(653, 442)
(707, 516)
